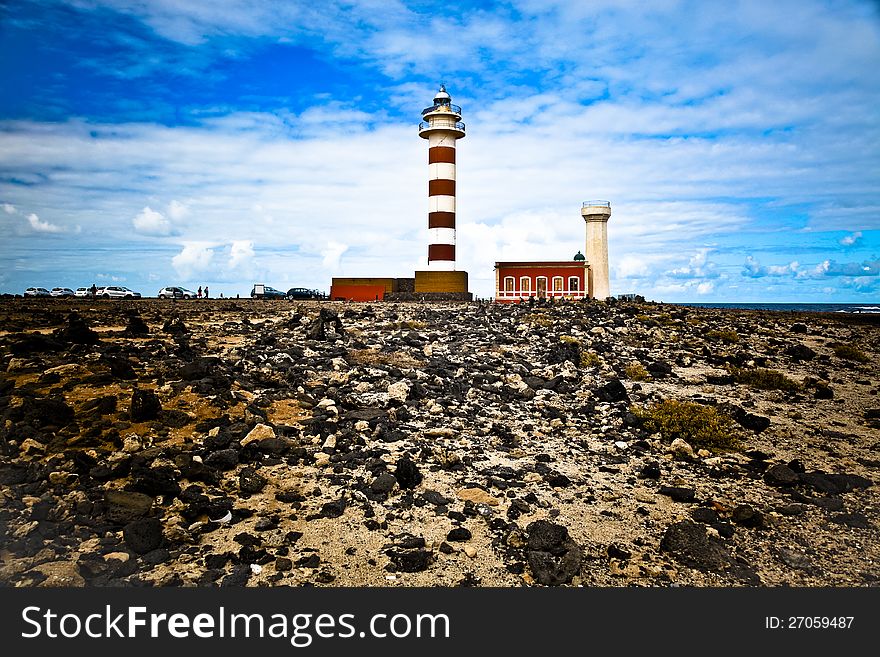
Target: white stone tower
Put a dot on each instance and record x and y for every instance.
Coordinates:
(596, 215)
(442, 127)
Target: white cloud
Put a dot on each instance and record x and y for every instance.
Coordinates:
(332, 254)
(849, 240)
(42, 226)
(8, 208)
(705, 287)
(194, 258)
(178, 210)
(150, 222)
(240, 253)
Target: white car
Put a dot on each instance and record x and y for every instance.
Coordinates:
(83, 292)
(117, 292)
(36, 292)
(175, 292)
(61, 292)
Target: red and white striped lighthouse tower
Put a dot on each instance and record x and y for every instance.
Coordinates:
(442, 127)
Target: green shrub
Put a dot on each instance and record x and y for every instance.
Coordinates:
(637, 372)
(730, 337)
(763, 379)
(850, 352)
(703, 427)
(590, 359)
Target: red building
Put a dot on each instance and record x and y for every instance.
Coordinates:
(553, 279)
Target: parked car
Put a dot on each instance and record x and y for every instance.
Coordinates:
(175, 292)
(117, 292)
(83, 292)
(61, 292)
(305, 293)
(37, 292)
(261, 291)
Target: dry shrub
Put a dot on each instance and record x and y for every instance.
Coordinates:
(703, 427)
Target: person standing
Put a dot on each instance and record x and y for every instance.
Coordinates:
(199, 293)
(206, 291)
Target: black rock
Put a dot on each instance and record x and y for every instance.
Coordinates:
(857, 520)
(557, 480)
(283, 564)
(659, 369)
(77, 331)
(781, 475)
(704, 514)
(126, 506)
(136, 326)
(238, 577)
(410, 561)
(155, 557)
(650, 471)
(678, 494)
(742, 417)
(154, 481)
(798, 328)
(747, 516)
(198, 369)
(145, 405)
(546, 536)
(565, 351)
(407, 473)
(333, 509)
(613, 391)
(175, 326)
(50, 411)
(823, 391)
(224, 459)
(435, 498)
(100, 406)
(800, 352)
(250, 482)
(616, 551)
(384, 483)
(459, 534)
(688, 543)
(143, 535)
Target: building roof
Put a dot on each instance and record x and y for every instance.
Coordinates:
(573, 264)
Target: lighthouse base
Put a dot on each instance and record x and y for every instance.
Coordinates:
(444, 282)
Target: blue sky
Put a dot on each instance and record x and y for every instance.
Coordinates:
(153, 142)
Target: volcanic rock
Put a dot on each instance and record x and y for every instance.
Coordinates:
(143, 535)
(145, 405)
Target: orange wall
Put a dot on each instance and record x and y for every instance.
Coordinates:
(357, 292)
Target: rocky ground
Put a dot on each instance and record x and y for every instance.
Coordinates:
(238, 442)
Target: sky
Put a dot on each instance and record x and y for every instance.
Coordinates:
(156, 142)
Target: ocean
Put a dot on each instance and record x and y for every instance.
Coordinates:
(871, 308)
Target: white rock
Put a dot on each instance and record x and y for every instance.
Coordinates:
(330, 442)
(259, 432)
(256, 568)
(361, 425)
(131, 443)
(398, 391)
(681, 448)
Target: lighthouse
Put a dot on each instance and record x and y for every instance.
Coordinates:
(442, 127)
(596, 215)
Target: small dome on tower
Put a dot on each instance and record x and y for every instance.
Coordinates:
(579, 257)
(442, 97)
